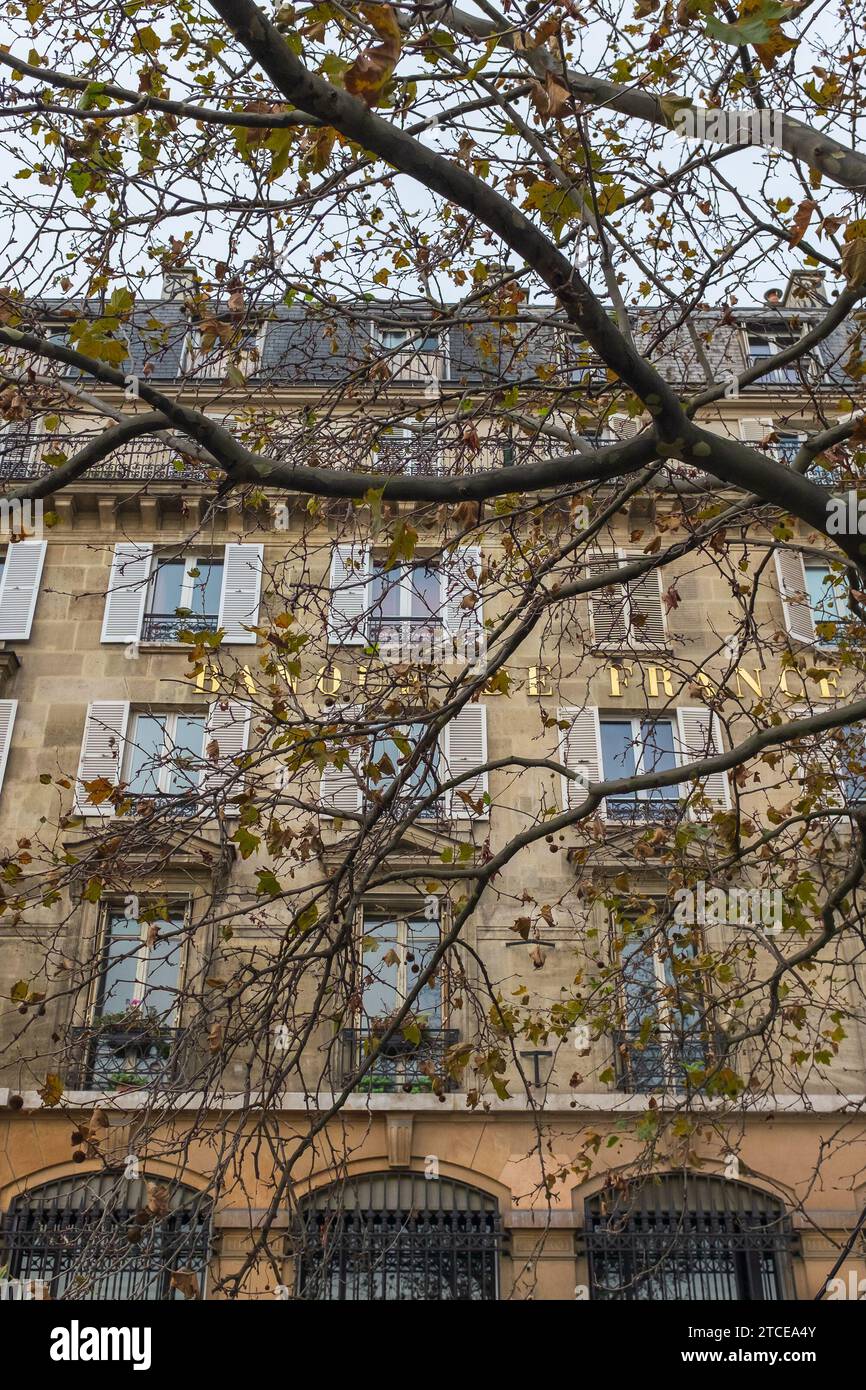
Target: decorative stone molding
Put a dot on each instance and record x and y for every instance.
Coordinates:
(399, 1131)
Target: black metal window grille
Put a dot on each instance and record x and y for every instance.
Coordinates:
(692, 1238)
(398, 1236)
(73, 1235)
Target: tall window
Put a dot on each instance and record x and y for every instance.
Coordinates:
(633, 747)
(130, 1036)
(768, 341)
(164, 754)
(394, 1236)
(825, 601)
(663, 1010)
(688, 1237)
(395, 950)
(183, 594)
(221, 350)
(389, 754)
(405, 607)
(73, 1236)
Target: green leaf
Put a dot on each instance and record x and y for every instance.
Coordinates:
(268, 883)
(93, 891)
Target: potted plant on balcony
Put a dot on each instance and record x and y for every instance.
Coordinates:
(130, 1036)
(126, 1081)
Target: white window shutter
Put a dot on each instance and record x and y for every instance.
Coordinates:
(645, 596)
(101, 752)
(460, 578)
(7, 721)
(241, 591)
(755, 431)
(464, 747)
(623, 426)
(579, 751)
(608, 608)
(340, 787)
(225, 739)
(700, 736)
(791, 577)
(19, 588)
(350, 587)
(127, 592)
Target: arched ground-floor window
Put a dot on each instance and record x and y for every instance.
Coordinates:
(398, 1236)
(96, 1237)
(688, 1236)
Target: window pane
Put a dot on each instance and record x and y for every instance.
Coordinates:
(207, 586)
(163, 969)
(381, 968)
(167, 586)
(123, 956)
(823, 596)
(425, 592)
(422, 938)
(618, 759)
(639, 983)
(385, 593)
(617, 748)
(185, 753)
(385, 751)
(659, 755)
(148, 742)
(393, 338)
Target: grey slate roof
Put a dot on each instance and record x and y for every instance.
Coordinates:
(326, 346)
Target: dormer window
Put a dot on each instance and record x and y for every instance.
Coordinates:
(413, 354)
(216, 349)
(767, 340)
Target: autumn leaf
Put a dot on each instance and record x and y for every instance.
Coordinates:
(99, 790)
(554, 205)
(157, 1199)
(802, 218)
(371, 71)
(854, 262)
(52, 1091)
(185, 1281)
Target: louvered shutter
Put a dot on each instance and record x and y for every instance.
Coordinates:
(791, 577)
(608, 608)
(127, 592)
(623, 426)
(7, 721)
(755, 431)
(19, 588)
(700, 736)
(241, 590)
(228, 725)
(350, 575)
(101, 752)
(464, 746)
(580, 751)
(645, 595)
(461, 578)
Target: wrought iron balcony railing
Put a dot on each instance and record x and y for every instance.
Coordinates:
(164, 627)
(106, 1058)
(399, 1065)
(660, 1063)
(32, 455)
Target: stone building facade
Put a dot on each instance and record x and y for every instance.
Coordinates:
(433, 1198)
